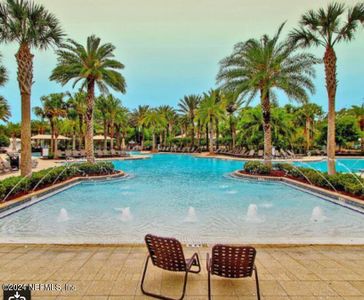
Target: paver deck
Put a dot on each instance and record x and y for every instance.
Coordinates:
(114, 272)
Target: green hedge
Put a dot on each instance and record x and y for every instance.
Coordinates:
(344, 182)
(48, 176)
(257, 167)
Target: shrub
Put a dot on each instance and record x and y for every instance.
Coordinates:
(16, 183)
(48, 176)
(283, 167)
(257, 167)
(344, 182)
(4, 141)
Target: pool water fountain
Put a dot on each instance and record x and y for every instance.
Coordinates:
(63, 215)
(252, 214)
(191, 215)
(126, 215)
(317, 215)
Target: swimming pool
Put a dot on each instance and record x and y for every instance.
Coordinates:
(193, 199)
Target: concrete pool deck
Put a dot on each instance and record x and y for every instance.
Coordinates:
(114, 272)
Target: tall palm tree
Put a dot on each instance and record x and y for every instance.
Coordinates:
(327, 28)
(138, 118)
(4, 106)
(94, 65)
(188, 106)
(155, 121)
(53, 108)
(259, 67)
(209, 111)
(30, 25)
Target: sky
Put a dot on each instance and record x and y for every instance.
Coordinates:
(171, 48)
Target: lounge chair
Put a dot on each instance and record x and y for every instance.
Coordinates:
(232, 262)
(260, 153)
(76, 154)
(251, 153)
(167, 254)
(99, 153)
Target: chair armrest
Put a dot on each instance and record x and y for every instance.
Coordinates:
(193, 258)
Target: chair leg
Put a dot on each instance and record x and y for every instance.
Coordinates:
(209, 284)
(160, 296)
(257, 282)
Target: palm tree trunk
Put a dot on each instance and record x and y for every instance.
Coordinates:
(207, 136)
(74, 140)
(90, 121)
(217, 133)
(80, 124)
(165, 137)
(117, 136)
(55, 148)
(24, 59)
(142, 138)
(198, 133)
(52, 135)
(153, 148)
(307, 133)
(265, 102)
(211, 144)
(330, 76)
(112, 135)
(192, 133)
(105, 134)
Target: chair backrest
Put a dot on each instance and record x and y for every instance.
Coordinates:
(232, 261)
(166, 253)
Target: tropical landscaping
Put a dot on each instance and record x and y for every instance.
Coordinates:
(221, 120)
(259, 156)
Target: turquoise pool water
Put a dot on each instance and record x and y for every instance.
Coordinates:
(342, 165)
(193, 199)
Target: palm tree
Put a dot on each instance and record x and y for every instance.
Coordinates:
(4, 110)
(260, 66)
(53, 108)
(327, 28)
(232, 105)
(138, 118)
(101, 104)
(188, 106)
(169, 113)
(308, 112)
(31, 26)
(77, 102)
(122, 119)
(209, 112)
(113, 107)
(94, 65)
(155, 121)
(4, 106)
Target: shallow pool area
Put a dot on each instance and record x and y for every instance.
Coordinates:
(193, 199)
